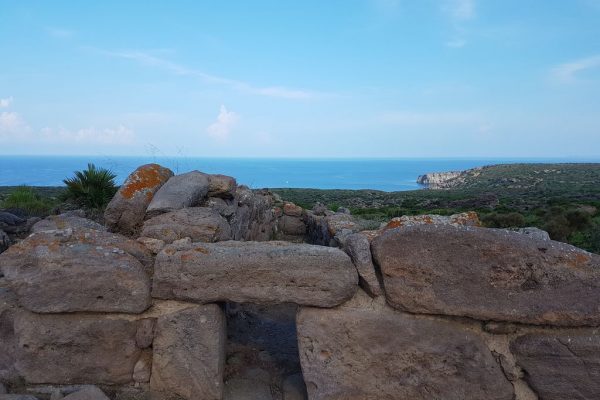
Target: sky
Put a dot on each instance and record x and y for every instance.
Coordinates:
(310, 78)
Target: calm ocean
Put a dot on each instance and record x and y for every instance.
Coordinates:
(380, 174)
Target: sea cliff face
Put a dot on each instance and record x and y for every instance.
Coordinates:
(438, 179)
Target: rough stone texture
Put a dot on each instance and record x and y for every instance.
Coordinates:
(17, 397)
(75, 348)
(463, 219)
(201, 224)
(127, 209)
(143, 368)
(4, 241)
(265, 272)
(185, 190)
(359, 249)
(65, 221)
(561, 364)
(247, 389)
(293, 226)
(333, 229)
(222, 186)
(189, 352)
(364, 350)
(254, 219)
(292, 210)
(88, 393)
(294, 388)
(154, 245)
(83, 270)
(488, 274)
(534, 233)
(8, 341)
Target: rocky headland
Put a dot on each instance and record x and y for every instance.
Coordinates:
(198, 288)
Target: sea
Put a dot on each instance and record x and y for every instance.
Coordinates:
(358, 173)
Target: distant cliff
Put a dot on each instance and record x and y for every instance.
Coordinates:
(441, 180)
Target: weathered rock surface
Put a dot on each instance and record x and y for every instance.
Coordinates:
(185, 190)
(17, 397)
(65, 221)
(292, 210)
(247, 389)
(293, 226)
(364, 350)
(265, 272)
(222, 186)
(8, 341)
(254, 219)
(189, 352)
(75, 348)
(488, 274)
(359, 249)
(83, 270)
(438, 180)
(4, 241)
(462, 219)
(127, 209)
(561, 364)
(201, 224)
(88, 393)
(534, 232)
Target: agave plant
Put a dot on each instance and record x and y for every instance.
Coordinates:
(91, 188)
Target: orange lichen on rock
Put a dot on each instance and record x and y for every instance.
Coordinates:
(145, 178)
(468, 218)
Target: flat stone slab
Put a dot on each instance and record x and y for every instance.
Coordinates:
(201, 224)
(488, 274)
(185, 190)
(189, 353)
(82, 270)
(366, 350)
(262, 272)
(561, 364)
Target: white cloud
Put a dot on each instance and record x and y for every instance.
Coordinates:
(178, 69)
(222, 127)
(13, 127)
(119, 135)
(5, 102)
(568, 72)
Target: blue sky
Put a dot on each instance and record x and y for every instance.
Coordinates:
(352, 78)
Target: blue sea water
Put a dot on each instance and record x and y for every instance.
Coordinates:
(380, 174)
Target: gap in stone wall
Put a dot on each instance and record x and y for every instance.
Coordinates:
(262, 360)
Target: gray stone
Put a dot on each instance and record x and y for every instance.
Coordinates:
(143, 368)
(366, 350)
(189, 353)
(198, 223)
(488, 274)
(222, 186)
(294, 388)
(293, 226)
(185, 190)
(359, 249)
(8, 219)
(76, 348)
(292, 210)
(254, 219)
(88, 393)
(65, 221)
(561, 364)
(263, 272)
(246, 389)
(145, 333)
(534, 233)
(4, 241)
(17, 397)
(83, 270)
(8, 341)
(125, 212)
(2, 388)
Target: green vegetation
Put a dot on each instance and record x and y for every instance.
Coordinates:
(92, 188)
(563, 199)
(27, 199)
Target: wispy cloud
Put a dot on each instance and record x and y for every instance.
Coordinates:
(148, 59)
(567, 72)
(459, 12)
(6, 102)
(119, 135)
(222, 127)
(60, 33)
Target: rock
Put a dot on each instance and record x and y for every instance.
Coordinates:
(344, 210)
(8, 219)
(488, 274)
(76, 348)
(534, 232)
(198, 223)
(83, 270)
(439, 180)
(56, 394)
(4, 241)
(190, 365)
(226, 208)
(145, 333)
(561, 364)
(463, 219)
(65, 221)
(2, 388)
(246, 389)
(8, 341)
(265, 272)
(319, 209)
(143, 368)
(294, 388)
(88, 393)
(221, 186)
(127, 209)
(292, 210)
(293, 226)
(17, 397)
(154, 245)
(349, 353)
(185, 190)
(254, 219)
(357, 246)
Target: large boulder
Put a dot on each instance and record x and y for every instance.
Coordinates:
(222, 186)
(82, 270)
(4, 241)
(359, 249)
(488, 274)
(127, 209)
(185, 190)
(201, 224)
(189, 353)
(365, 350)
(8, 341)
(87, 393)
(65, 221)
(262, 272)
(254, 219)
(561, 364)
(76, 348)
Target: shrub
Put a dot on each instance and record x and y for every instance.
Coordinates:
(509, 220)
(92, 188)
(25, 198)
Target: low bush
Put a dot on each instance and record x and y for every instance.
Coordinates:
(91, 188)
(26, 199)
